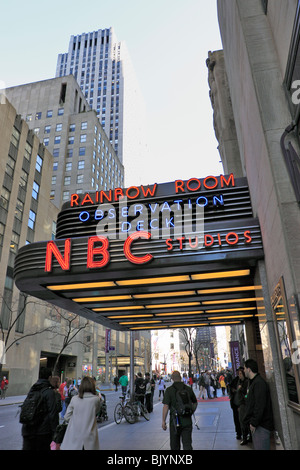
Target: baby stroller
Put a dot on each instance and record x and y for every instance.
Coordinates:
(102, 415)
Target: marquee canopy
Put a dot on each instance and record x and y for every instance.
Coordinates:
(179, 254)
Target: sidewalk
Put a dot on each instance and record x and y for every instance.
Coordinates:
(214, 430)
(214, 419)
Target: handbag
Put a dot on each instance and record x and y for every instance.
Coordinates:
(60, 433)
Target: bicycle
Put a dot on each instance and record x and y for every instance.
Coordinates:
(134, 409)
(119, 411)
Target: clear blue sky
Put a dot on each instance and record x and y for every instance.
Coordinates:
(168, 41)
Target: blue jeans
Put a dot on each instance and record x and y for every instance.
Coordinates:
(261, 439)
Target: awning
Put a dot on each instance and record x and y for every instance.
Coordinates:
(143, 280)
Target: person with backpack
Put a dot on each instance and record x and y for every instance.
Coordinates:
(39, 415)
(181, 402)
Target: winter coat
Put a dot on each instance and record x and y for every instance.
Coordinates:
(82, 430)
(51, 419)
(258, 404)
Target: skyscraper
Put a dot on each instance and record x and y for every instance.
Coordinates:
(84, 159)
(103, 70)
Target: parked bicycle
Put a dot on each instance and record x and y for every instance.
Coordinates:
(120, 409)
(134, 409)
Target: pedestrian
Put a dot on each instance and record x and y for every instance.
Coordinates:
(55, 383)
(213, 384)
(148, 393)
(62, 396)
(222, 383)
(180, 426)
(140, 388)
(66, 393)
(39, 436)
(4, 387)
(207, 383)
(202, 389)
(161, 387)
(123, 381)
(258, 412)
(240, 401)
(233, 388)
(116, 382)
(82, 429)
(152, 381)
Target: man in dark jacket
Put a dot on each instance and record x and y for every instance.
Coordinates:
(258, 412)
(39, 437)
(180, 426)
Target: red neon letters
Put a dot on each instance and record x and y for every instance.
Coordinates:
(98, 246)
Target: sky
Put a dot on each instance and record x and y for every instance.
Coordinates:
(168, 42)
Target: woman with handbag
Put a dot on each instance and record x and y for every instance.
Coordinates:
(82, 429)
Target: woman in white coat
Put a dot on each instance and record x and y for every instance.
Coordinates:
(82, 430)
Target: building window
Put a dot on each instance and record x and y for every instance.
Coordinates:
(70, 153)
(79, 179)
(292, 75)
(53, 180)
(72, 128)
(67, 180)
(47, 129)
(46, 142)
(83, 138)
(35, 190)
(49, 113)
(71, 140)
(69, 166)
(56, 152)
(19, 210)
(60, 111)
(66, 195)
(58, 127)
(57, 140)
(39, 164)
(10, 166)
(38, 116)
(15, 137)
(4, 198)
(31, 219)
(80, 164)
(55, 166)
(84, 125)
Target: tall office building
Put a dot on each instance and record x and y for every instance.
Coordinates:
(103, 69)
(84, 159)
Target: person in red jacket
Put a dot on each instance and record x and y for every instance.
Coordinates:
(4, 386)
(63, 398)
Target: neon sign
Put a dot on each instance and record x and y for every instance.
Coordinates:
(98, 248)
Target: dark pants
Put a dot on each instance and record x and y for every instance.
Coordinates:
(236, 419)
(37, 442)
(148, 402)
(180, 433)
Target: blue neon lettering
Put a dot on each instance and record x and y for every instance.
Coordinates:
(84, 216)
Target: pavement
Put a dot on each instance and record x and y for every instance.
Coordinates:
(213, 429)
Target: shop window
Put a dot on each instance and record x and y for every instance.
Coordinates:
(288, 336)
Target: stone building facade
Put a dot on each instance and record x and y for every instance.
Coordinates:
(256, 120)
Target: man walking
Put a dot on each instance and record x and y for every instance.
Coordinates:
(258, 412)
(123, 381)
(180, 426)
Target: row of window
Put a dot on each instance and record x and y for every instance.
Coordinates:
(38, 115)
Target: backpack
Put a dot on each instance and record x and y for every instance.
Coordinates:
(184, 405)
(34, 408)
(72, 392)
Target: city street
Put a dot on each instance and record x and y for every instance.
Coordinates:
(10, 428)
